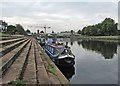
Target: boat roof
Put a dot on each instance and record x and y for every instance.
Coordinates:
(56, 45)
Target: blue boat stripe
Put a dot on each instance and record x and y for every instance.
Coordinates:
(50, 53)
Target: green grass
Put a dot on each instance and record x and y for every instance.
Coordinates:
(51, 69)
(17, 82)
(102, 37)
(1, 34)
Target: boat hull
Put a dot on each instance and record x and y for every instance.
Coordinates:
(42, 44)
(67, 61)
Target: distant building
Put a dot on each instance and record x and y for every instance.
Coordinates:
(3, 26)
(48, 34)
(38, 32)
(66, 34)
(29, 34)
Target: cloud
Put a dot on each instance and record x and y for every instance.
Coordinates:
(61, 0)
(59, 15)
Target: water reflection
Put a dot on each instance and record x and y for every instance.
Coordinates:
(107, 49)
(79, 42)
(67, 71)
(71, 41)
(90, 68)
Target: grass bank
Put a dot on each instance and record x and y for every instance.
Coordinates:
(101, 37)
(2, 34)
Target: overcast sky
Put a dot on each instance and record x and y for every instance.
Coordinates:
(60, 16)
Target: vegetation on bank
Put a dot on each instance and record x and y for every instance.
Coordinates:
(12, 29)
(17, 82)
(51, 69)
(101, 37)
(18, 29)
(107, 27)
(1, 34)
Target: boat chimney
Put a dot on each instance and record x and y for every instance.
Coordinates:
(66, 45)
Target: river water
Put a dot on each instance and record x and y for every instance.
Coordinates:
(96, 62)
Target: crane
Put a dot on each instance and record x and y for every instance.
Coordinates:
(36, 26)
(45, 27)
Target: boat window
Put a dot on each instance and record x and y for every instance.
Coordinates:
(56, 51)
(52, 50)
(49, 48)
(60, 49)
(66, 51)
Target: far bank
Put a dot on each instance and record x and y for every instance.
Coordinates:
(99, 38)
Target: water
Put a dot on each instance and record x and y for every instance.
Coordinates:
(95, 62)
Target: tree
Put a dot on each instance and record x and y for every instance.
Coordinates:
(98, 28)
(41, 31)
(94, 31)
(20, 29)
(28, 31)
(53, 32)
(83, 31)
(108, 27)
(105, 28)
(71, 32)
(79, 32)
(11, 29)
(118, 32)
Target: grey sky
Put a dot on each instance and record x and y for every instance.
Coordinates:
(60, 16)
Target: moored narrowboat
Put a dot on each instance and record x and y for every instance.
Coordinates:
(60, 54)
(41, 41)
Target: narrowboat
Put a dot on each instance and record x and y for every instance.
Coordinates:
(60, 54)
(41, 41)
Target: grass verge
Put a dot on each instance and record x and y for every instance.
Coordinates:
(102, 37)
(16, 82)
(51, 69)
(1, 34)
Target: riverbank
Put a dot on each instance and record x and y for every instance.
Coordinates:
(1, 34)
(101, 38)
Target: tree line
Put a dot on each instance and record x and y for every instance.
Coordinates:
(12, 29)
(108, 27)
(18, 29)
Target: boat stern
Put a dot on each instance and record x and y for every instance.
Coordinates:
(66, 60)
